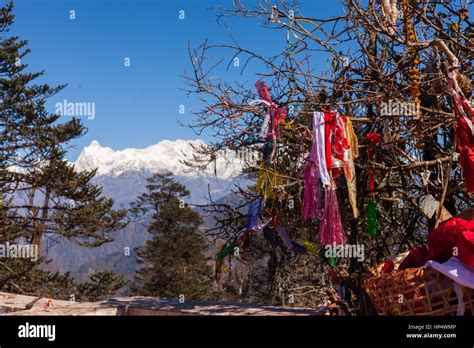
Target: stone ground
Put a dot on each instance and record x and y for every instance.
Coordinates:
(21, 305)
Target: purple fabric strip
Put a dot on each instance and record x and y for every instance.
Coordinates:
(254, 211)
(284, 237)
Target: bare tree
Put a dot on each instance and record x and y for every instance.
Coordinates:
(382, 52)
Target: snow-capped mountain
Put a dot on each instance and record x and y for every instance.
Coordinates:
(122, 176)
(122, 173)
(166, 155)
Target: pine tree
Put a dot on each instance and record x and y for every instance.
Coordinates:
(174, 261)
(41, 193)
(100, 285)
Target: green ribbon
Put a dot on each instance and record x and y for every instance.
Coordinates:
(372, 218)
(332, 262)
(226, 251)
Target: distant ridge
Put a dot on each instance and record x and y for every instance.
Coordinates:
(165, 155)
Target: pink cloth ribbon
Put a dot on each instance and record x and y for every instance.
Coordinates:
(274, 117)
(330, 229)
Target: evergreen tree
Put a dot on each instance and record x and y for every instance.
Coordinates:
(40, 192)
(100, 285)
(62, 286)
(174, 261)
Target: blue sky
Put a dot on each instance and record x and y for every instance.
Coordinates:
(136, 106)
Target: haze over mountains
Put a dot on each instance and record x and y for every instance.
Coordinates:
(122, 175)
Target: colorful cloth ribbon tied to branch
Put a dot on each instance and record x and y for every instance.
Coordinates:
(274, 117)
(223, 252)
(341, 144)
(310, 247)
(372, 140)
(465, 145)
(337, 143)
(333, 149)
(345, 151)
(464, 129)
(329, 126)
(330, 229)
(333, 139)
(352, 154)
(372, 218)
(330, 144)
(289, 244)
(315, 169)
(319, 148)
(390, 12)
(255, 207)
(312, 192)
(268, 181)
(253, 213)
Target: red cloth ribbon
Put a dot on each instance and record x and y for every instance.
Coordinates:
(335, 140)
(465, 142)
(244, 239)
(341, 144)
(465, 129)
(329, 127)
(388, 266)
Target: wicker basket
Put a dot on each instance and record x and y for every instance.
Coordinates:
(415, 291)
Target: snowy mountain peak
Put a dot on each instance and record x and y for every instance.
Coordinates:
(166, 155)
